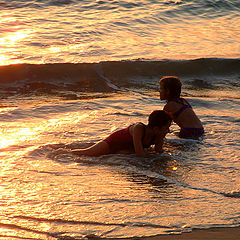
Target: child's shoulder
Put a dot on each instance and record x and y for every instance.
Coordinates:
(137, 125)
(171, 106)
(137, 128)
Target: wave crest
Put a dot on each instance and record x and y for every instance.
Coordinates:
(112, 76)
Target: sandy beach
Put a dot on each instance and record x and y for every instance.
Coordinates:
(199, 234)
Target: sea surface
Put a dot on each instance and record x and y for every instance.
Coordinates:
(71, 73)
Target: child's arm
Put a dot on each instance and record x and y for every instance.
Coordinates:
(137, 139)
(159, 144)
(169, 108)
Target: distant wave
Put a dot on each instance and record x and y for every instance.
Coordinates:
(91, 222)
(111, 76)
(195, 7)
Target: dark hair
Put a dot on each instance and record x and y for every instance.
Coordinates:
(173, 85)
(158, 118)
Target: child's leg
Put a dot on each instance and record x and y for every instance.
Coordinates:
(96, 150)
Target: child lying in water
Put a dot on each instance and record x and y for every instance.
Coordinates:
(179, 108)
(133, 139)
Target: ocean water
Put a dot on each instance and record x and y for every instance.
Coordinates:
(71, 73)
(76, 31)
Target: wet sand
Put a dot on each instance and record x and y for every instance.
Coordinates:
(198, 234)
(202, 234)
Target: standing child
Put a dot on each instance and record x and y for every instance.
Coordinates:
(179, 108)
(133, 139)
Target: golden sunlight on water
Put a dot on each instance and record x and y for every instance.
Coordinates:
(16, 189)
(92, 35)
(111, 189)
(11, 39)
(11, 135)
(15, 133)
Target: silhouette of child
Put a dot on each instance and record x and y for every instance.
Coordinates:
(133, 139)
(179, 108)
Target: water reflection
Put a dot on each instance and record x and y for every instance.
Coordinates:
(12, 34)
(16, 133)
(154, 175)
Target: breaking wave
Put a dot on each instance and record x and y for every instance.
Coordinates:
(105, 77)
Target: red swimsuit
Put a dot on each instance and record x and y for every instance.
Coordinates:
(123, 140)
(120, 140)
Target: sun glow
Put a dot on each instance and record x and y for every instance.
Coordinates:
(59, 49)
(9, 51)
(11, 136)
(16, 133)
(12, 38)
(12, 33)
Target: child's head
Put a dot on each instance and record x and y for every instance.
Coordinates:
(170, 87)
(159, 118)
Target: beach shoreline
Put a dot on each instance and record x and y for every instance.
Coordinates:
(215, 233)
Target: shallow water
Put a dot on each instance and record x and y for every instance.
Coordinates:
(92, 67)
(192, 184)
